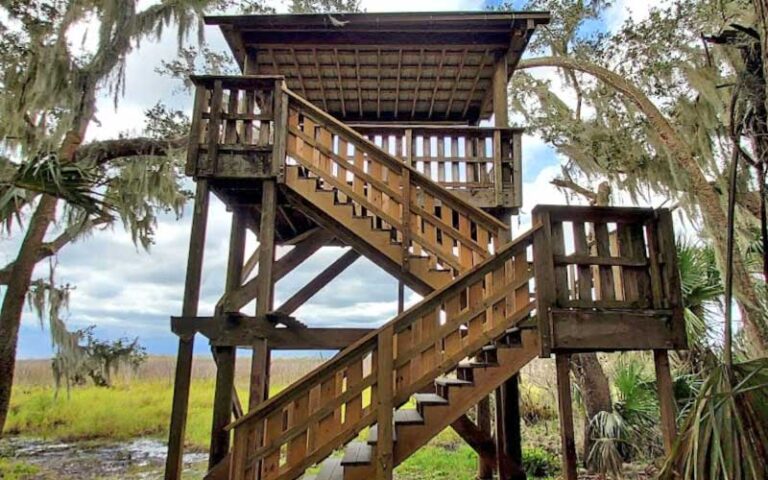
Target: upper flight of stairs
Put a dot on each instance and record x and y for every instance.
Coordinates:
(385, 209)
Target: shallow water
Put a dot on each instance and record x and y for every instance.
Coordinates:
(140, 459)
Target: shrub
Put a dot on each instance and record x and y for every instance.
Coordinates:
(538, 462)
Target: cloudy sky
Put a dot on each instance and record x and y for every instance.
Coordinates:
(126, 291)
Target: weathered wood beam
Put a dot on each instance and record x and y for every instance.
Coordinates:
(264, 289)
(457, 80)
(316, 284)
(341, 86)
(250, 265)
(359, 81)
(183, 374)
(418, 83)
(298, 72)
(226, 355)
(397, 83)
(437, 84)
(666, 399)
(237, 299)
(242, 331)
(468, 102)
(320, 79)
(479, 440)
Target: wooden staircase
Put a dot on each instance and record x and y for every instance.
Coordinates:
(463, 340)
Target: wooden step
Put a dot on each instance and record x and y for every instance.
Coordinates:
(357, 453)
(373, 435)
(331, 469)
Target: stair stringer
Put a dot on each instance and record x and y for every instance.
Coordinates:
(325, 214)
(411, 437)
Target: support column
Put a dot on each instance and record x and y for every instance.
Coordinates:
(225, 356)
(508, 435)
(565, 406)
(485, 462)
(666, 399)
(183, 375)
(259, 389)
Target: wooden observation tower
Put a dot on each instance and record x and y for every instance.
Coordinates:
(362, 130)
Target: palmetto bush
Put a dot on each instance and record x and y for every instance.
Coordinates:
(725, 434)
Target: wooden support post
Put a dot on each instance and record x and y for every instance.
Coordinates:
(384, 407)
(225, 356)
(183, 375)
(500, 108)
(259, 389)
(568, 442)
(485, 462)
(508, 433)
(666, 398)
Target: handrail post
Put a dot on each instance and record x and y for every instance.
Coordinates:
(280, 125)
(544, 271)
(384, 443)
(406, 193)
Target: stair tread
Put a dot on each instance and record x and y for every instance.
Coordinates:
(373, 434)
(429, 399)
(450, 381)
(476, 364)
(357, 453)
(406, 416)
(331, 469)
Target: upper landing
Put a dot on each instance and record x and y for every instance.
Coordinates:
(386, 67)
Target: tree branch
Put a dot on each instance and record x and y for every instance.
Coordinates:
(107, 150)
(53, 247)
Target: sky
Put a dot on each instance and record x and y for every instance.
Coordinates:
(126, 291)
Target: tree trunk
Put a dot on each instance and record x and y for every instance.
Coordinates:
(596, 392)
(15, 293)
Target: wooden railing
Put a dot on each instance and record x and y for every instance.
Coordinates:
(480, 164)
(235, 127)
(607, 279)
(328, 407)
(424, 217)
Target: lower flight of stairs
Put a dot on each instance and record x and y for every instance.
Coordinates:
(452, 395)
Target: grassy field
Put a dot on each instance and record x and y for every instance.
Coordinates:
(139, 406)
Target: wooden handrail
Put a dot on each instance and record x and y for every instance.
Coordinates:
(399, 323)
(434, 188)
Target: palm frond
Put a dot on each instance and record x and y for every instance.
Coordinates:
(725, 434)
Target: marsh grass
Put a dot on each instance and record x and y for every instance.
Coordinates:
(138, 405)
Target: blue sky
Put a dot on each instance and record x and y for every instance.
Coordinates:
(126, 291)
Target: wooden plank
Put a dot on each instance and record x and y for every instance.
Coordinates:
(608, 330)
(214, 127)
(184, 356)
(385, 404)
(235, 300)
(582, 259)
(196, 131)
(561, 274)
(602, 242)
(583, 273)
(564, 401)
